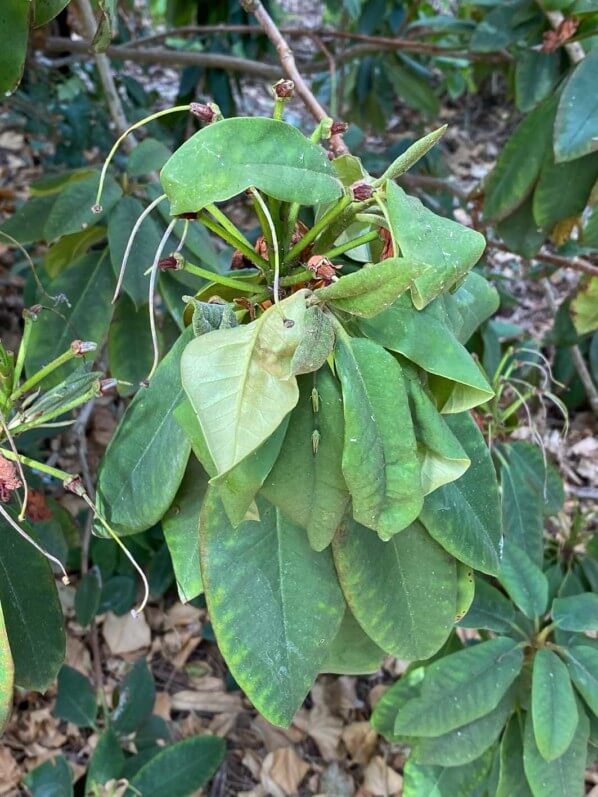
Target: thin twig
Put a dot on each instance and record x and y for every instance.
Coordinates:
(574, 263)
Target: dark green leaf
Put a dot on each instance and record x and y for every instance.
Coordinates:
(576, 125)
(474, 301)
(7, 673)
(107, 25)
(106, 762)
(464, 781)
(27, 223)
(32, 611)
(136, 698)
(582, 662)
(461, 688)
(118, 595)
(554, 710)
(536, 74)
(576, 613)
(563, 775)
(72, 210)
(130, 352)
(180, 769)
(45, 10)
(511, 776)
(65, 250)
(489, 609)
(319, 504)
(274, 630)
(144, 464)
(352, 652)
(14, 30)
(464, 516)
(412, 89)
(147, 157)
(75, 698)
(522, 515)
(51, 779)
(390, 704)
(389, 590)
(518, 165)
(543, 478)
(385, 486)
(563, 189)
(523, 580)
(87, 597)
(272, 156)
(520, 232)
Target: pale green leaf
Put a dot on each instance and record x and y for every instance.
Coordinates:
(576, 125)
(576, 613)
(412, 154)
(582, 662)
(554, 711)
(390, 704)
(465, 590)
(234, 154)
(65, 250)
(7, 673)
(316, 344)
(584, 307)
(474, 301)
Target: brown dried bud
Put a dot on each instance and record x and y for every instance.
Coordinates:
(81, 347)
(338, 128)
(261, 247)
(361, 190)
(169, 263)
(553, 39)
(323, 268)
(246, 304)
(284, 89)
(75, 485)
(37, 508)
(206, 113)
(299, 232)
(387, 248)
(239, 261)
(106, 385)
(9, 479)
(32, 312)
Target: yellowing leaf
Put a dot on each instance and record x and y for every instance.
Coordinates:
(585, 307)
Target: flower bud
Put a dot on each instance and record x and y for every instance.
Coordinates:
(284, 89)
(75, 485)
(32, 312)
(323, 268)
(106, 385)
(168, 263)
(361, 190)
(206, 113)
(81, 347)
(338, 128)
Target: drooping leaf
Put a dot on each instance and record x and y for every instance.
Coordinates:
(181, 531)
(554, 711)
(320, 504)
(53, 778)
(576, 125)
(474, 301)
(582, 663)
(518, 166)
(106, 762)
(511, 776)
(466, 743)
(75, 698)
(145, 461)
(461, 688)
(523, 580)
(87, 597)
(180, 769)
(426, 338)
(442, 457)
(14, 31)
(7, 674)
(240, 381)
(32, 612)
(576, 613)
(389, 589)
(72, 210)
(147, 240)
(274, 629)
(563, 189)
(130, 352)
(385, 483)
(463, 781)
(490, 609)
(374, 288)
(464, 516)
(584, 307)
(449, 248)
(45, 10)
(136, 697)
(536, 74)
(272, 156)
(149, 156)
(352, 652)
(563, 775)
(88, 286)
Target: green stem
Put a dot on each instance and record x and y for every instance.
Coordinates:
(294, 209)
(19, 428)
(55, 473)
(27, 327)
(544, 633)
(248, 251)
(227, 224)
(345, 220)
(354, 243)
(278, 111)
(37, 377)
(275, 251)
(318, 227)
(220, 279)
(371, 218)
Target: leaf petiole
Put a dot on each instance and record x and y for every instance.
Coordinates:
(219, 279)
(353, 244)
(318, 227)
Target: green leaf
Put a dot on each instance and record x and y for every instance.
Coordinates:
(240, 380)
(373, 288)
(576, 613)
(585, 307)
(14, 31)
(180, 769)
(523, 580)
(32, 612)
(26, 224)
(87, 597)
(442, 458)
(466, 743)
(274, 630)
(136, 698)
(465, 590)
(522, 515)
(426, 338)
(52, 779)
(511, 776)
(449, 248)
(464, 516)
(554, 710)
(489, 609)
(234, 154)
(390, 704)
(88, 286)
(385, 486)
(411, 155)
(464, 781)
(147, 241)
(130, 353)
(563, 775)
(542, 478)
(520, 232)
(474, 301)
(582, 663)
(461, 688)
(576, 125)
(106, 762)
(412, 89)
(148, 156)
(145, 461)
(181, 531)
(518, 166)
(352, 652)
(72, 210)
(75, 698)
(107, 25)
(7, 673)
(62, 252)
(563, 189)
(536, 74)
(390, 589)
(319, 505)
(45, 10)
